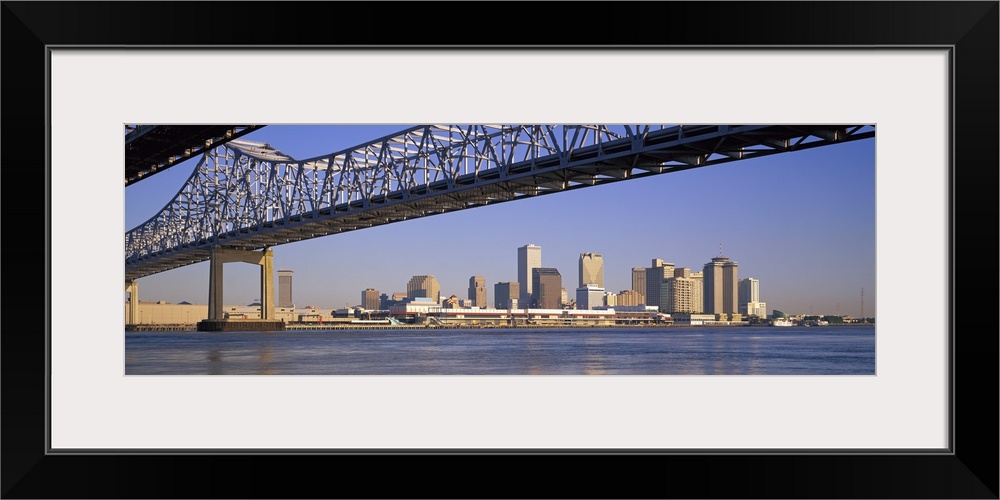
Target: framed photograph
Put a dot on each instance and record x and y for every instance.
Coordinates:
(77, 399)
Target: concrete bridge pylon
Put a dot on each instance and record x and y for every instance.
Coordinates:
(132, 287)
(217, 320)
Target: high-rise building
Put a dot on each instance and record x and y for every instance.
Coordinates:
(630, 298)
(639, 283)
(285, 288)
(654, 280)
(424, 286)
(369, 299)
(589, 296)
(529, 257)
(698, 292)
(591, 270)
(384, 302)
(720, 286)
(546, 288)
(505, 295)
(477, 291)
(749, 298)
(677, 295)
(749, 290)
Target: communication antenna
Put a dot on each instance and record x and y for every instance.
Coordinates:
(863, 319)
(720, 249)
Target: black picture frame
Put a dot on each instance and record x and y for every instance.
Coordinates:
(970, 470)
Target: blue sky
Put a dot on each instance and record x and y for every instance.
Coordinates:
(802, 223)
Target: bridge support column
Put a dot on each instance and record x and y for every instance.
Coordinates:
(216, 315)
(132, 287)
(215, 285)
(267, 285)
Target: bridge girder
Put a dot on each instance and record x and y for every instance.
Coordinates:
(250, 196)
(151, 149)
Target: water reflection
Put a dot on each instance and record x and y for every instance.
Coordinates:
(665, 351)
(215, 362)
(265, 359)
(533, 355)
(594, 360)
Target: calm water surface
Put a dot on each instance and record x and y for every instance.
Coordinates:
(840, 350)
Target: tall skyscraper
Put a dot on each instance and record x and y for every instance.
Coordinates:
(654, 280)
(749, 298)
(285, 288)
(477, 291)
(505, 295)
(529, 257)
(677, 295)
(591, 270)
(749, 290)
(370, 299)
(720, 286)
(547, 288)
(639, 283)
(423, 286)
(697, 292)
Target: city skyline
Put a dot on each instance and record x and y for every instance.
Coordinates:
(802, 223)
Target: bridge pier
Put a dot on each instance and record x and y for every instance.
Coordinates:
(132, 287)
(217, 320)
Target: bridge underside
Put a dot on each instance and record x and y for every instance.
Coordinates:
(585, 167)
(150, 149)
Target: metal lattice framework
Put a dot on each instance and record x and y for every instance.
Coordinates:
(250, 196)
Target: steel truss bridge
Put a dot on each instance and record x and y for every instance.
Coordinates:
(251, 196)
(150, 149)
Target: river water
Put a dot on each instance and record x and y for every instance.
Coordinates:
(831, 350)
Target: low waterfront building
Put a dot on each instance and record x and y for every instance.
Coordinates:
(694, 319)
(164, 313)
(433, 314)
(522, 317)
(638, 315)
(708, 319)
